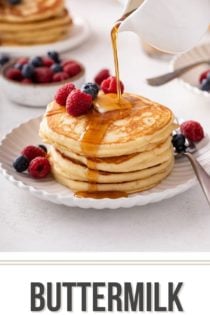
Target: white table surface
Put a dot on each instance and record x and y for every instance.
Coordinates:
(179, 224)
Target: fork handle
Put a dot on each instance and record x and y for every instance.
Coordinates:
(167, 77)
(202, 175)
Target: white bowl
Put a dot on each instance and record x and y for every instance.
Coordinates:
(190, 79)
(36, 95)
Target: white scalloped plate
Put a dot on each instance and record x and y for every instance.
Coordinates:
(181, 179)
(79, 33)
(190, 79)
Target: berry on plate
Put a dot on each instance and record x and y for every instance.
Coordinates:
(72, 69)
(78, 103)
(63, 92)
(39, 167)
(110, 85)
(43, 75)
(101, 76)
(205, 85)
(178, 142)
(14, 74)
(43, 147)
(26, 81)
(192, 130)
(60, 76)
(32, 152)
(21, 164)
(90, 88)
(56, 67)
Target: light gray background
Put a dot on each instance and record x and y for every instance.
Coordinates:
(178, 224)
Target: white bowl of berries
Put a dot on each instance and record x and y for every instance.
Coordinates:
(34, 81)
(196, 80)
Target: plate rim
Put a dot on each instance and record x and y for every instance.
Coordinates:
(72, 201)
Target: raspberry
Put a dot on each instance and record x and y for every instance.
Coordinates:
(22, 61)
(39, 167)
(72, 69)
(32, 152)
(60, 76)
(14, 74)
(204, 75)
(78, 103)
(47, 62)
(192, 130)
(110, 85)
(101, 76)
(62, 93)
(67, 62)
(26, 81)
(43, 75)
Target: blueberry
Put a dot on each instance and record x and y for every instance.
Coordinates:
(90, 88)
(181, 148)
(56, 67)
(178, 142)
(21, 164)
(43, 147)
(4, 59)
(14, 2)
(36, 62)
(205, 85)
(54, 56)
(28, 71)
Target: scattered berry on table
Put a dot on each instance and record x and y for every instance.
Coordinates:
(4, 59)
(28, 71)
(60, 76)
(63, 92)
(36, 62)
(101, 76)
(56, 67)
(43, 147)
(192, 130)
(72, 69)
(78, 103)
(21, 164)
(178, 142)
(32, 152)
(47, 62)
(204, 75)
(43, 75)
(14, 74)
(90, 88)
(39, 167)
(205, 85)
(54, 56)
(110, 85)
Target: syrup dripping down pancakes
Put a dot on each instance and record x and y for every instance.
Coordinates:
(114, 153)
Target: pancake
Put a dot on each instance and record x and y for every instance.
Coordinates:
(30, 10)
(114, 133)
(124, 163)
(128, 187)
(72, 170)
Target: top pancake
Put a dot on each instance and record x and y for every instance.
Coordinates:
(113, 133)
(28, 10)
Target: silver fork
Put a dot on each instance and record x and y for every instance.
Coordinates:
(202, 175)
(165, 78)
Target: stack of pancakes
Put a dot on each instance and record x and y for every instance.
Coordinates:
(127, 150)
(33, 22)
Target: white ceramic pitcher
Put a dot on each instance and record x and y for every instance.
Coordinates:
(169, 25)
